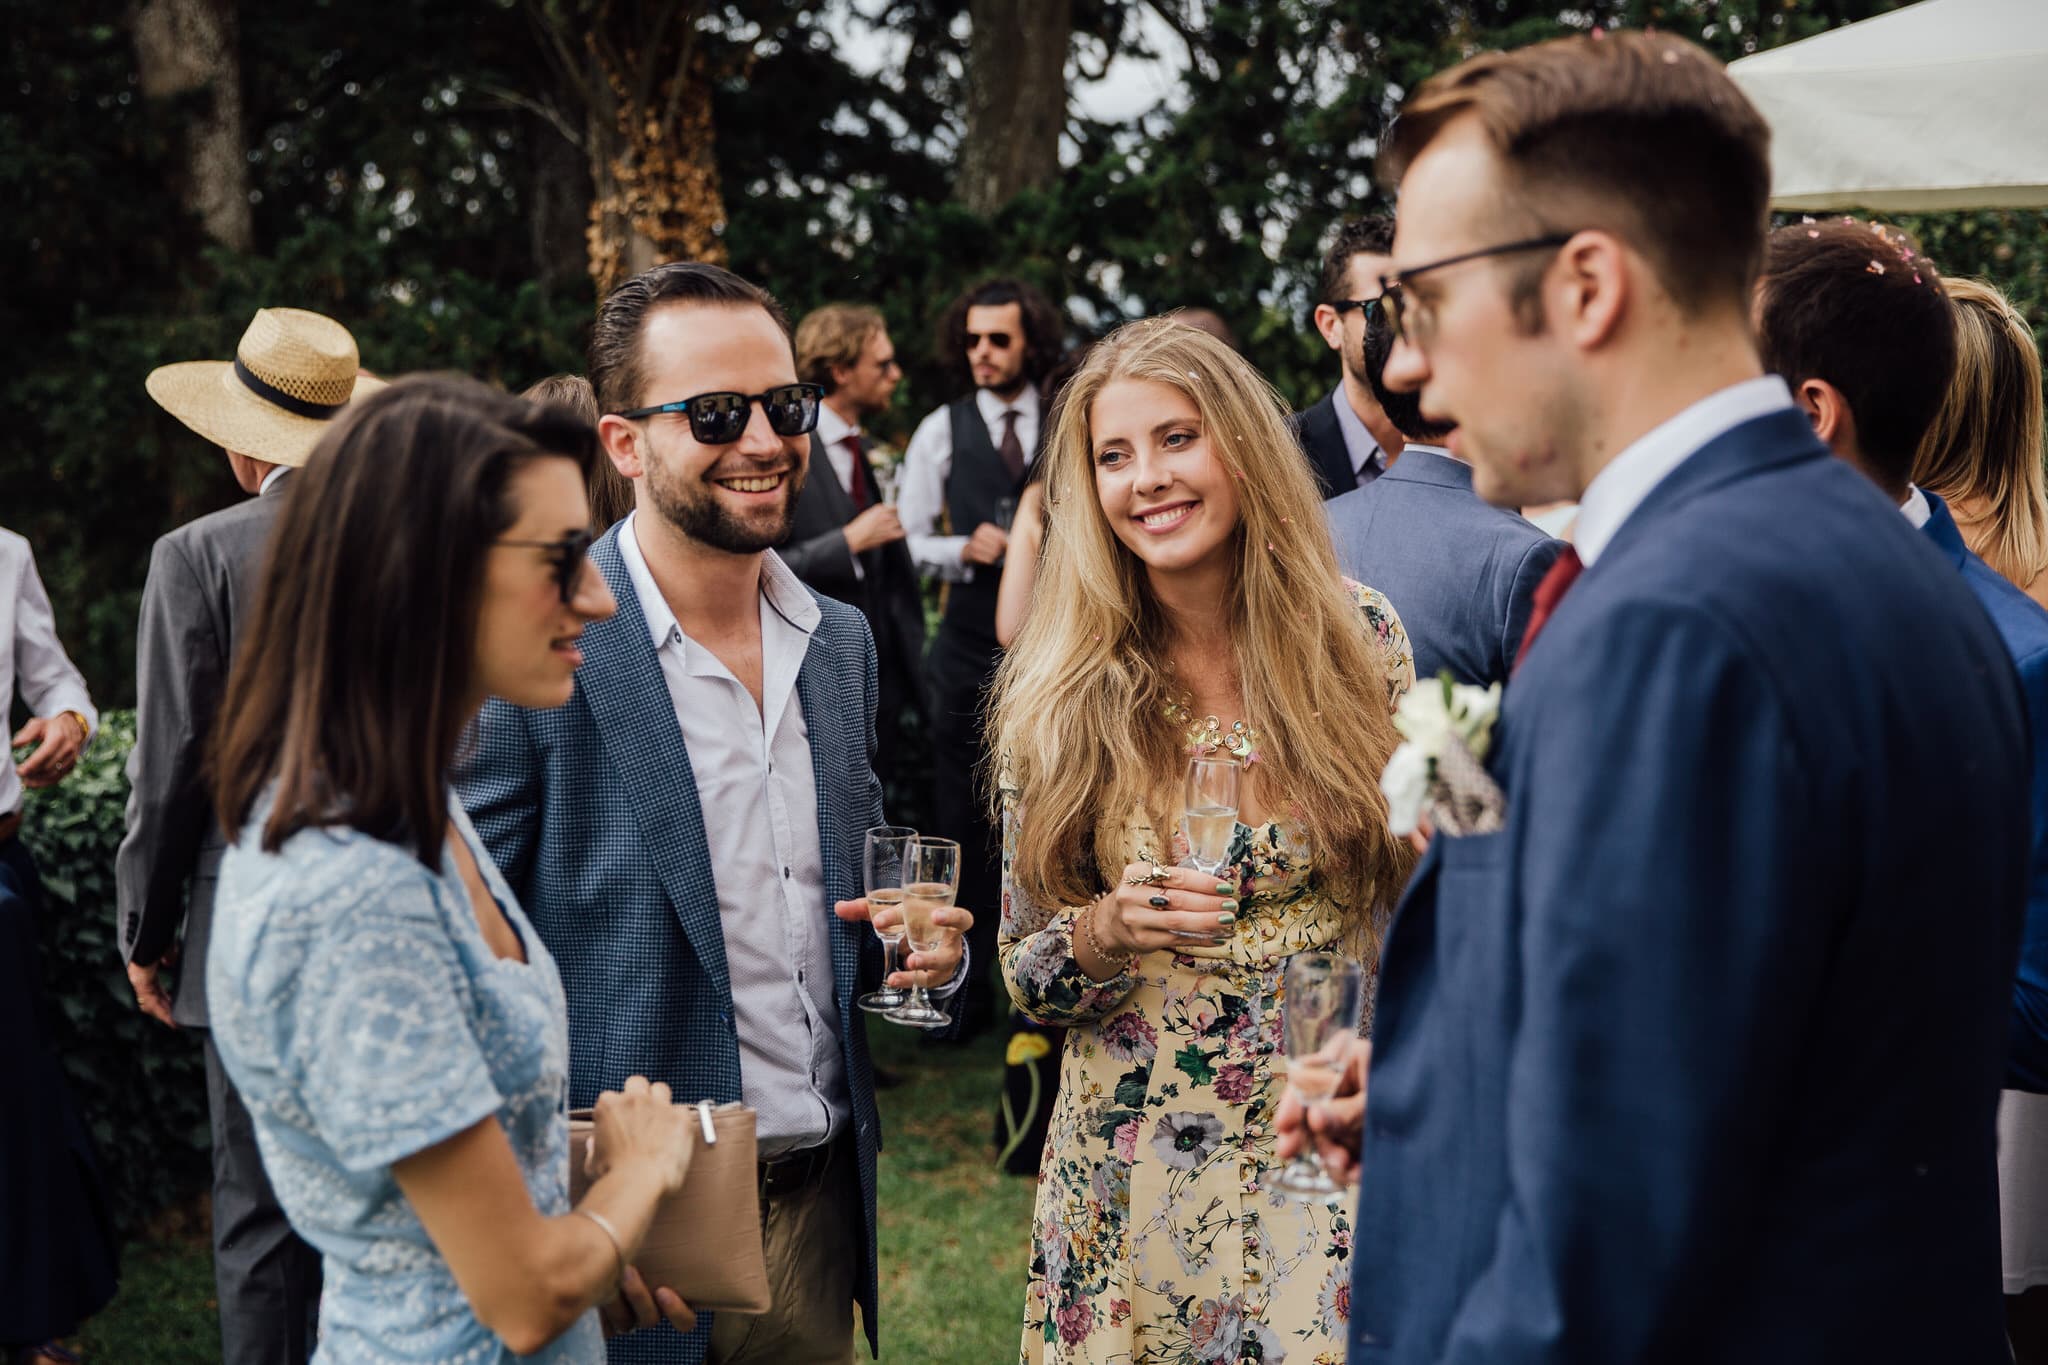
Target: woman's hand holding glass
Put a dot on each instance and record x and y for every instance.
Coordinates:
(1183, 906)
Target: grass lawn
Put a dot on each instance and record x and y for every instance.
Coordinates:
(955, 1234)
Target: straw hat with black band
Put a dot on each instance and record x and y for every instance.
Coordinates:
(292, 374)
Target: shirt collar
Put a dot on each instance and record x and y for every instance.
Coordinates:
(992, 408)
(1620, 488)
(832, 428)
(782, 589)
(1362, 446)
(272, 477)
(1916, 508)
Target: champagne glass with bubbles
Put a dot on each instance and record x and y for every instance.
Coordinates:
(931, 880)
(1319, 1006)
(884, 862)
(1210, 818)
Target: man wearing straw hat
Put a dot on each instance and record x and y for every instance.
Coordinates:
(267, 408)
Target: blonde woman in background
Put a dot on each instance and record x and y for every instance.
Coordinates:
(1188, 575)
(1983, 454)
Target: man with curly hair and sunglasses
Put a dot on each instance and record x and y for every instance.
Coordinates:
(686, 834)
(968, 462)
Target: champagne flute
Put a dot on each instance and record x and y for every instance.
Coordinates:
(882, 875)
(1210, 812)
(1319, 1004)
(931, 880)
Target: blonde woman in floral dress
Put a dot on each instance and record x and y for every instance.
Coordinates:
(1189, 603)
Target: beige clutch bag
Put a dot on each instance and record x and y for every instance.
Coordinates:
(705, 1241)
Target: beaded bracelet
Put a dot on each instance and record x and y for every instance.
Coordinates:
(1118, 962)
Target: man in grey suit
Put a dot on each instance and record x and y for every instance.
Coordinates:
(1460, 571)
(1347, 438)
(268, 408)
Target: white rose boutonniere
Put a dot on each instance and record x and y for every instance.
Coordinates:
(1447, 730)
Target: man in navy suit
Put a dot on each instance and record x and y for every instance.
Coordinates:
(1461, 572)
(1696, 1058)
(1869, 355)
(1348, 441)
(682, 831)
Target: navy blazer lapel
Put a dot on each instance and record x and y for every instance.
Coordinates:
(1941, 528)
(817, 692)
(1766, 442)
(622, 683)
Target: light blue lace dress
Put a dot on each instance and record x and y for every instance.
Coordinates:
(363, 1018)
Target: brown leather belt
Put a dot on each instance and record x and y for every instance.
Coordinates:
(10, 824)
(797, 1171)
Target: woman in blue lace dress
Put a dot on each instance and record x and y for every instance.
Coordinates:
(383, 1006)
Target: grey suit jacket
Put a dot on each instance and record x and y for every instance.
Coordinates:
(201, 586)
(1459, 572)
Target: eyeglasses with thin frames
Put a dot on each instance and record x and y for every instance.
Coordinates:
(568, 557)
(720, 418)
(1410, 321)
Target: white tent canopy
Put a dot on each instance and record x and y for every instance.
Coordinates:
(1940, 105)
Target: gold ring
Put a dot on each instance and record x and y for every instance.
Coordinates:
(1152, 878)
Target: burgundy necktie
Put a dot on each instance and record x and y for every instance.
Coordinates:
(856, 486)
(1548, 594)
(1012, 449)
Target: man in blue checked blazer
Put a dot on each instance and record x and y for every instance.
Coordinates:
(1695, 1059)
(682, 831)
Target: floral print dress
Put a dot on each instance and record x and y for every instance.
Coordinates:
(1152, 1241)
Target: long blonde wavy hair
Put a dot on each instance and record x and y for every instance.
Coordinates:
(1983, 453)
(1076, 715)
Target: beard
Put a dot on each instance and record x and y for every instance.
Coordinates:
(691, 505)
(1404, 410)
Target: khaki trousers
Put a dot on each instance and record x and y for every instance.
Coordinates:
(813, 1239)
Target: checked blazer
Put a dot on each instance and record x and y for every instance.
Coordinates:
(591, 813)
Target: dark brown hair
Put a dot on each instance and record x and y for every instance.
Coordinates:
(615, 371)
(1043, 338)
(353, 683)
(1861, 308)
(1638, 134)
(1371, 235)
(833, 335)
(610, 492)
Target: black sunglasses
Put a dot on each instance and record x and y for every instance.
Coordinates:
(1344, 306)
(1395, 301)
(1000, 340)
(570, 552)
(719, 419)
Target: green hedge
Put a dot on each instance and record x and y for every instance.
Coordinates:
(142, 1086)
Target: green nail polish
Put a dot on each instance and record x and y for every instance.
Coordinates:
(1230, 905)
(1224, 888)
(1226, 918)
(1157, 902)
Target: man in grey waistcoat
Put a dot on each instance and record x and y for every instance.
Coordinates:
(267, 408)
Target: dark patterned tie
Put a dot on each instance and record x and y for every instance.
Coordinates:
(856, 486)
(1548, 594)
(1012, 449)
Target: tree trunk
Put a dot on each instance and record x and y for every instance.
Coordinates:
(642, 76)
(558, 204)
(187, 45)
(1016, 99)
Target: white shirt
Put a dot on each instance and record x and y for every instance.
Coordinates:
(272, 477)
(754, 786)
(32, 655)
(1620, 488)
(832, 432)
(927, 463)
(1916, 508)
(1359, 443)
